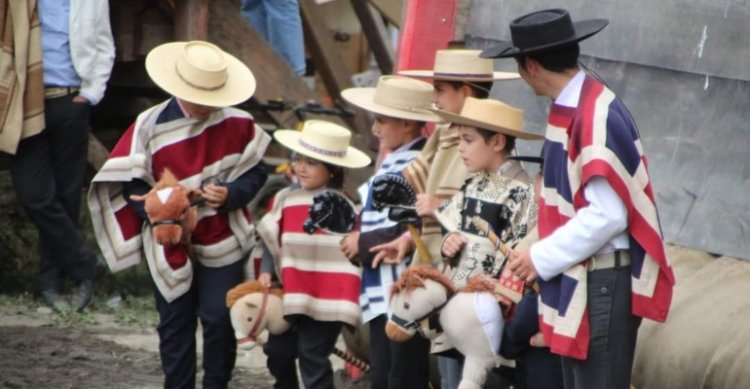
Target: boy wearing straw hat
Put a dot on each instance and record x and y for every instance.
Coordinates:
(321, 286)
(205, 145)
(601, 256)
(401, 107)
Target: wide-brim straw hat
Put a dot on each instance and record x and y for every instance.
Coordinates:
(201, 73)
(492, 115)
(395, 96)
(542, 31)
(461, 65)
(324, 141)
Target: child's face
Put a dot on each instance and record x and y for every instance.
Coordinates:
(478, 154)
(448, 98)
(198, 111)
(538, 180)
(311, 173)
(392, 132)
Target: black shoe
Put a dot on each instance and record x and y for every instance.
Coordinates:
(83, 295)
(54, 299)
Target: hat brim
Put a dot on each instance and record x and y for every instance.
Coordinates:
(464, 121)
(365, 98)
(354, 158)
(161, 64)
(430, 74)
(583, 29)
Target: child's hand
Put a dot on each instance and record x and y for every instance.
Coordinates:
(350, 245)
(265, 279)
(427, 204)
(392, 252)
(453, 244)
(215, 195)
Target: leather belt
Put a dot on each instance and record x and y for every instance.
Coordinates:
(53, 92)
(613, 260)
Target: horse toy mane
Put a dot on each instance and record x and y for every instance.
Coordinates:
(482, 283)
(330, 212)
(169, 208)
(390, 190)
(247, 288)
(415, 277)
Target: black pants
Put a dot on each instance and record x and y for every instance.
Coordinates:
(48, 171)
(312, 342)
(395, 365)
(178, 320)
(614, 330)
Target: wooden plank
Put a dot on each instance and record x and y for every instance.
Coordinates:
(393, 10)
(329, 63)
(275, 79)
(191, 20)
(374, 29)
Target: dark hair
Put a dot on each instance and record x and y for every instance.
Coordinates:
(480, 89)
(510, 141)
(557, 61)
(337, 176)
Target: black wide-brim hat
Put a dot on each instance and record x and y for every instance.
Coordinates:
(544, 31)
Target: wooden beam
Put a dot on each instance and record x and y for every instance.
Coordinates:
(374, 29)
(191, 20)
(393, 10)
(328, 62)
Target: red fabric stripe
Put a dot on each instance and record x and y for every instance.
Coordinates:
(576, 348)
(293, 218)
(550, 218)
(176, 256)
(211, 230)
(122, 148)
(323, 285)
(560, 116)
(188, 157)
(130, 223)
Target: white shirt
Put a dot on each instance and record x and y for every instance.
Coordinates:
(598, 228)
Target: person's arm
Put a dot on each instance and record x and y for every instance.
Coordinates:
(94, 84)
(242, 190)
(136, 187)
(586, 233)
(266, 262)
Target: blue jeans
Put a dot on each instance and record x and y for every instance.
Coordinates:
(280, 23)
(450, 372)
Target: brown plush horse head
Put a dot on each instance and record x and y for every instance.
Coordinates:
(419, 292)
(255, 311)
(169, 210)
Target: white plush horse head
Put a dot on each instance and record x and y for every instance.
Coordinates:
(420, 292)
(254, 312)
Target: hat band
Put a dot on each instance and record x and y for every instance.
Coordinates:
(201, 87)
(315, 149)
(466, 75)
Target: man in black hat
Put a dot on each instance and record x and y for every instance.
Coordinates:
(601, 259)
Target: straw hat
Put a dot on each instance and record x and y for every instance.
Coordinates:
(201, 73)
(461, 65)
(325, 141)
(394, 96)
(492, 115)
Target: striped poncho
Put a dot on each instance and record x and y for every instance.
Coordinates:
(598, 139)
(225, 146)
(318, 280)
(376, 229)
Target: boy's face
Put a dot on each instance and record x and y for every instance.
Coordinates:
(311, 173)
(448, 98)
(478, 154)
(392, 132)
(538, 181)
(198, 111)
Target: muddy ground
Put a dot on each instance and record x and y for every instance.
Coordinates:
(103, 348)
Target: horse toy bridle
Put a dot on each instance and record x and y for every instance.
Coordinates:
(252, 334)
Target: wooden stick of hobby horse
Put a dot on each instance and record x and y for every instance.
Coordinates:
(424, 254)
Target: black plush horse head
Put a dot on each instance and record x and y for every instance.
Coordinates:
(390, 190)
(331, 212)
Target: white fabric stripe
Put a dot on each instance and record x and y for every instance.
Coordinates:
(557, 135)
(330, 310)
(601, 114)
(553, 199)
(569, 324)
(175, 131)
(645, 285)
(171, 283)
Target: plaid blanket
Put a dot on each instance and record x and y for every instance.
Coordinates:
(598, 139)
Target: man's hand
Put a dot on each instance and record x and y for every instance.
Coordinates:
(453, 244)
(350, 245)
(81, 100)
(215, 195)
(521, 265)
(427, 204)
(392, 252)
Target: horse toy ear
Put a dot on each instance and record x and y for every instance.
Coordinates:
(390, 190)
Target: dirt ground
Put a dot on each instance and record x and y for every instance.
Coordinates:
(104, 348)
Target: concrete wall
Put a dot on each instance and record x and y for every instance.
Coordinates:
(682, 69)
